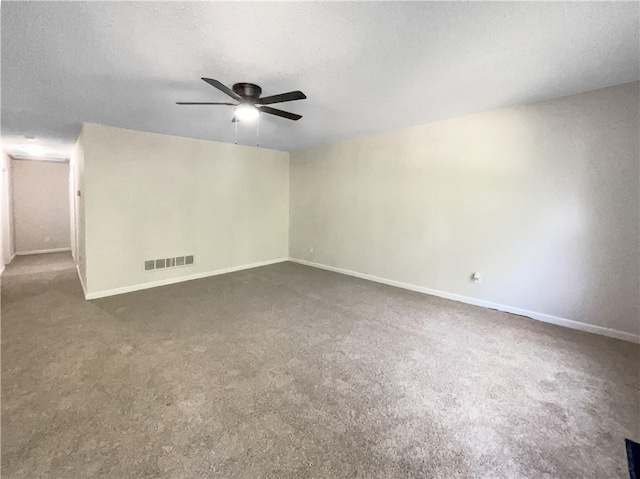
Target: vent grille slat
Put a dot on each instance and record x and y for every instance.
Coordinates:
(164, 263)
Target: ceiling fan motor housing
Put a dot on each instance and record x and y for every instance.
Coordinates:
(248, 91)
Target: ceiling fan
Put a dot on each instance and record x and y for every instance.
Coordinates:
(250, 105)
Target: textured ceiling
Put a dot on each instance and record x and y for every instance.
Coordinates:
(365, 67)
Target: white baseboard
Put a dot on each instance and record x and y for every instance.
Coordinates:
(179, 279)
(8, 262)
(84, 288)
(42, 251)
(547, 318)
(5, 265)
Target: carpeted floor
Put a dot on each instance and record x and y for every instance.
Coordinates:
(291, 372)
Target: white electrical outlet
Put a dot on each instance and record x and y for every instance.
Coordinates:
(47, 239)
(476, 278)
(310, 249)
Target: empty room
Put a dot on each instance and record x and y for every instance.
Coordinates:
(320, 240)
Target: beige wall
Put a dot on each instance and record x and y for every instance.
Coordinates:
(40, 205)
(542, 200)
(149, 196)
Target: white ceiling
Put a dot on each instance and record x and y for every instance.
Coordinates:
(365, 67)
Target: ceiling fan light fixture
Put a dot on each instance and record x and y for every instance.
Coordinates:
(246, 113)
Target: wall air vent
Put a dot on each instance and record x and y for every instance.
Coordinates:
(164, 263)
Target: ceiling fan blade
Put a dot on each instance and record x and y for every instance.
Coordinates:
(223, 88)
(283, 114)
(282, 97)
(202, 103)
(234, 119)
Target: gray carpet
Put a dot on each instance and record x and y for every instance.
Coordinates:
(288, 371)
